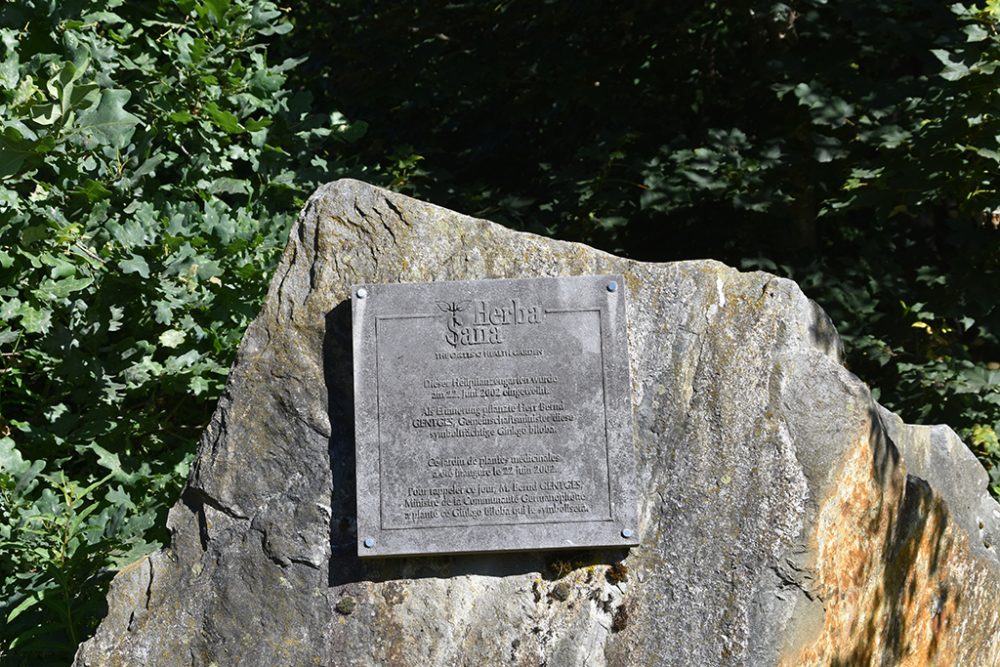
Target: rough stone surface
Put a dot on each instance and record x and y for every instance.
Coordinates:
(785, 517)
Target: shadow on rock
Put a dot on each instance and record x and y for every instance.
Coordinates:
(912, 604)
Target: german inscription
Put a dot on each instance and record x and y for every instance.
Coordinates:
(492, 415)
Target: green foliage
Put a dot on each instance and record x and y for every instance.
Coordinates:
(151, 159)
(58, 542)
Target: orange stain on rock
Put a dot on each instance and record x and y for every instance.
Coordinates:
(898, 583)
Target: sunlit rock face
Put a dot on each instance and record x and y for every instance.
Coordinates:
(785, 517)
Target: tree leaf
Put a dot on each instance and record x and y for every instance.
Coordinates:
(975, 33)
(135, 264)
(172, 338)
(198, 385)
(13, 152)
(217, 9)
(26, 603)
(953, 70)
(111, 462)
(228, 122)
(35, 320)
(60, 289)
(107, 122)
(92, 190)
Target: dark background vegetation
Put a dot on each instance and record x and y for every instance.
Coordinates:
(153, 155)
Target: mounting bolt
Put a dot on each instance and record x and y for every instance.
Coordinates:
(627, 533)
(612, 286)
(369, 542)
(362, 292)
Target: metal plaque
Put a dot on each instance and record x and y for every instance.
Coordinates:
(493, 415)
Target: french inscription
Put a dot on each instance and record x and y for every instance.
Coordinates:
(491, 409)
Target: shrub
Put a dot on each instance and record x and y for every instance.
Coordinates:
(151, 159)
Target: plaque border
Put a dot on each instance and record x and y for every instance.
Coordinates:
(620, 529)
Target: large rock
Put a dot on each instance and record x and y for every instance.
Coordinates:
(786, 518)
